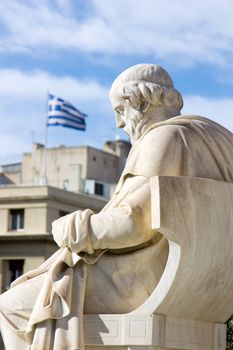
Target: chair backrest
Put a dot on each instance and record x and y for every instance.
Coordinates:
(196, 217)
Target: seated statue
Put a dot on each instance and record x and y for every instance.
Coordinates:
(110, 262)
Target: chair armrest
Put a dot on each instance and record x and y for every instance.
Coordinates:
(196, 216)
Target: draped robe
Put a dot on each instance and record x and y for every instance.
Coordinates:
(110, 262)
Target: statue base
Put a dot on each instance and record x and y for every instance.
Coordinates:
(156, 332)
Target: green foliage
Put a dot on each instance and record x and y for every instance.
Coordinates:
(230, 334)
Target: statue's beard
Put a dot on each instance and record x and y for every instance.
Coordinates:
(136, 126)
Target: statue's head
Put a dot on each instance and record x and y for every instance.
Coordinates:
(143, 95)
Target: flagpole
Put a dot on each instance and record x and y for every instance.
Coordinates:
(44, 167)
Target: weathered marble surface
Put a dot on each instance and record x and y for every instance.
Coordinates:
(161, 245)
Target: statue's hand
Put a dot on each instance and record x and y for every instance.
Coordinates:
(58, 231)
(72, 231)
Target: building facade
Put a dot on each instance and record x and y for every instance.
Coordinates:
(33, 196)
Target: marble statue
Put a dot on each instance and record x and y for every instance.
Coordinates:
(111, 262)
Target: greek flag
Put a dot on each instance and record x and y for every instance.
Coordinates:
(61, 112)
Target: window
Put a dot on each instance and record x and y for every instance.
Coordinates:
(15, 269)
(63, 213)
(16, 219)
(11, 269)
(99, 189)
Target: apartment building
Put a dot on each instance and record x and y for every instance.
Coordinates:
(44, 187)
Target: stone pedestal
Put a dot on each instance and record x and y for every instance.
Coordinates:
(156, 332)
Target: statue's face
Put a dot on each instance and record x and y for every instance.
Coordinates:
(126, 116)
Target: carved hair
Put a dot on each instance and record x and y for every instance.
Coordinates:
(148, 83)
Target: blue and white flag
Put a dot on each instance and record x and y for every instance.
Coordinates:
(61, 112)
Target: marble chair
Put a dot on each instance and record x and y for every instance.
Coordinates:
(193, 298)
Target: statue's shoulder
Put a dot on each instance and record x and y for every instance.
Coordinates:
(181, 126)
(167, 130)
(165, 147)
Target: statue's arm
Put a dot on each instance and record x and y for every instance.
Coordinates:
(125, 223)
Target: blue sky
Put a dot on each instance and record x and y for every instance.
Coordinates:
(75, 48)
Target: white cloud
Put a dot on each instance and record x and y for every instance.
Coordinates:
(187, 31)
(217, 109)
(66, 6)
(13, 144)
(34, 84)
